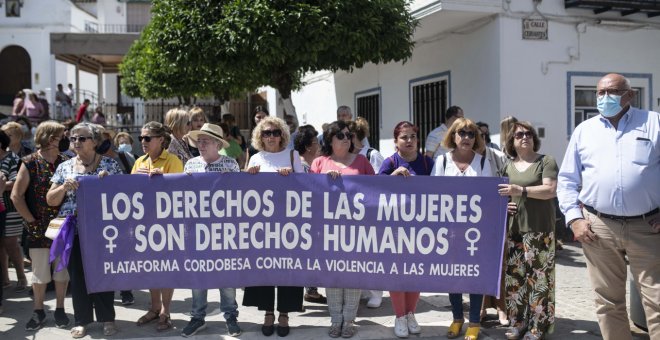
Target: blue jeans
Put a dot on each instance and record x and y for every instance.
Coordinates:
(475, 306)
(228, 303)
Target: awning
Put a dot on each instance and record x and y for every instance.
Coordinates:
(92, 52)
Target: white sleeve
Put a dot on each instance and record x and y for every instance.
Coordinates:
(297, 163)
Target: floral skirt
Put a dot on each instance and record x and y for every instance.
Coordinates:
(530, 280)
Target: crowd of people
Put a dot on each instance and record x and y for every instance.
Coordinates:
(40, 184)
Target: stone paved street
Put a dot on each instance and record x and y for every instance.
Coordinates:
(576, 318)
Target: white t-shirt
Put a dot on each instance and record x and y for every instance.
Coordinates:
(273, 161)
(434, 141)
(375, 158)
(476, 168)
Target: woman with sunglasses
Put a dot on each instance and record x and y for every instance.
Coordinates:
(530, 263)
(178, 121)
(84, 137)
(338, 159)
(155, 139)
(406, 161)
(270, 137)
(464, 141)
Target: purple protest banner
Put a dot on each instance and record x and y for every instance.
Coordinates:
(210, 230)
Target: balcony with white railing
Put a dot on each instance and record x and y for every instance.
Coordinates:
(93, 27)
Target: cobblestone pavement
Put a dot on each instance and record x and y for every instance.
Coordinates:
(576, 318)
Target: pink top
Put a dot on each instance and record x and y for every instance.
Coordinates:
(360, 166)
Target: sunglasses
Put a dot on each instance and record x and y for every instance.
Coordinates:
(468, 134)
(80, 139)
(342, 135)
(521, 134)
(271, 133)
(146, 138)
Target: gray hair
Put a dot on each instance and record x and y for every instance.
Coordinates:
(94, 129)
(344, 108)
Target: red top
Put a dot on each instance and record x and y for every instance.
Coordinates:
(360, 166)
(81, 112)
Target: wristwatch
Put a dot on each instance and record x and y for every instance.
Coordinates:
(524, 191)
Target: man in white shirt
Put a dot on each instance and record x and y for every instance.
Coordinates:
(433, 145)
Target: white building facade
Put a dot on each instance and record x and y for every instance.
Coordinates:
(35, 36)
(471, 53)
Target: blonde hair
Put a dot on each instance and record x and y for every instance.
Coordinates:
(197, 112)
(46, 131)
(13, 127)
(505, 126)
(360, 127)
(459, 124)
(278, 123)
(177, 120)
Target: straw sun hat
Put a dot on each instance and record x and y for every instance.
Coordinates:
(212, 131)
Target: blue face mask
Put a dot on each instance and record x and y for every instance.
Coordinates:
(609, 105)
(127, 148)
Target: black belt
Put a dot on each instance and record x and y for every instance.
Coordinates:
(615, 217)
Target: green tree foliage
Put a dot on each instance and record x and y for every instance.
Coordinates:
(274, 42)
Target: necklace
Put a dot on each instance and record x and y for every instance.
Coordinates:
(88, 164)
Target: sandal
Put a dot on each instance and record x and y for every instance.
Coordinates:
(504, 319)
(147, 318)
(268, 327)
(78, 332)
(164, 323)
(472, 332)
(455, 329)
(109, 328)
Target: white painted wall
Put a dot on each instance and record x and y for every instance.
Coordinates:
(315, 102)
(494, 73)
(531, 95)
(472, 61)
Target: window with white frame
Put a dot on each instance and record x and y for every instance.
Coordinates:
(429, 101)
(586, 101)
(581, 95)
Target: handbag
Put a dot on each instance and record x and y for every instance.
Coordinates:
(54, 227)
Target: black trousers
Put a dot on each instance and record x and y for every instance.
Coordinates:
(85, 304)
(289, 299)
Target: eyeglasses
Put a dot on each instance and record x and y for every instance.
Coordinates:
(615, 92)
(80, 139)
(271, 133)
(342, 135)
(406, 137)
(146, 138)
(468, 134)
(522, 134)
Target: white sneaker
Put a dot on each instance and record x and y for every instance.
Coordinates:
(401, 327)
(376, 299)
(413, 326)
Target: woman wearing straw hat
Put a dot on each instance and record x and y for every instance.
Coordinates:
(209, 140)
